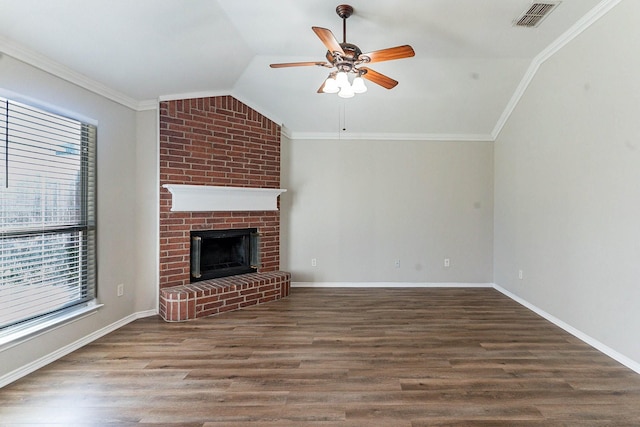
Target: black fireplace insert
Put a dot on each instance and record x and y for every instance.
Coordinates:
(221, 253)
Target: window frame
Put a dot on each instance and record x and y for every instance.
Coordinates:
(21, 330)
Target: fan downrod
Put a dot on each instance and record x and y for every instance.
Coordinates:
(344, 11)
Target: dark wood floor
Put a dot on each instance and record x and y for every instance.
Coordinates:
(336, 357)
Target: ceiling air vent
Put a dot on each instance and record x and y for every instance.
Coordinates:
(535, 14)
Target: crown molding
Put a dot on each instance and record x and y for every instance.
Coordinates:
(585, 22)
(150, 104)
(193, 95)
(329, 135)
(386, 136)
(35, 59)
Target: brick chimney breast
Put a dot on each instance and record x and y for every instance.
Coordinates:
(215, 141)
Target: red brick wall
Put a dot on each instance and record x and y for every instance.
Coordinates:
(215, 141)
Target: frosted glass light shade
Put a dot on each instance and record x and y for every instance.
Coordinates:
(341, 79)
(346, 91)
(358, 85)
(330, 86)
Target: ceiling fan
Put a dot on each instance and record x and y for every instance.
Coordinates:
(347, 59)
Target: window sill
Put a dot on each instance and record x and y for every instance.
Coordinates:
(15, 335)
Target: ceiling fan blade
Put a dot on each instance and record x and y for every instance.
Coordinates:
(389, 54)
(378, 78)
(328, 39)
(300, 64)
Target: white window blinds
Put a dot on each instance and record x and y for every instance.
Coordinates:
(47, 212)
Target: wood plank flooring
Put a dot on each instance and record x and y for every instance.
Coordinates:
(336, 357)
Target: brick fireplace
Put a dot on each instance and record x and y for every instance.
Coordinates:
(216, 141)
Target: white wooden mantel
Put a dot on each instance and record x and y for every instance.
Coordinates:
(202, 198)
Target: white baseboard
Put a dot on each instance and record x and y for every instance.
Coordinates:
(624, 360)
(52, 357)
(388, 285)
(629, 363)
(33, 366)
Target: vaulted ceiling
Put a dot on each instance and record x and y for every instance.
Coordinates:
(469, 60)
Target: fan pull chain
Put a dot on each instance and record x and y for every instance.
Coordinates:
(339, 122)
(342, 120)
(344, 117)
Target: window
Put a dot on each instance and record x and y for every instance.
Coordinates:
(47, 213)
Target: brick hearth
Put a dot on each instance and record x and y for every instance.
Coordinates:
(215, 141)
(209, 297)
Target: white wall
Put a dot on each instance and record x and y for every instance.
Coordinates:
(118, 196)
(147, 212)
(358, 206)
(567, 185)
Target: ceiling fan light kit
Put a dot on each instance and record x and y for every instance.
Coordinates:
(339, 83)
(347, 59)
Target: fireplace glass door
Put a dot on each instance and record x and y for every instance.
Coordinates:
(221, 253)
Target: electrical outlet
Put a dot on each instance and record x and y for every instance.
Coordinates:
(397, 263)
(447, 262)
(520, 274)
(314, 262)
(120, 289)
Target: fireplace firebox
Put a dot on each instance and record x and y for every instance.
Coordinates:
(221, 253)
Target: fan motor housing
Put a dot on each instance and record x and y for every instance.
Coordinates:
(352, 52)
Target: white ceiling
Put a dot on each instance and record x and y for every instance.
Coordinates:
(469, 59)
